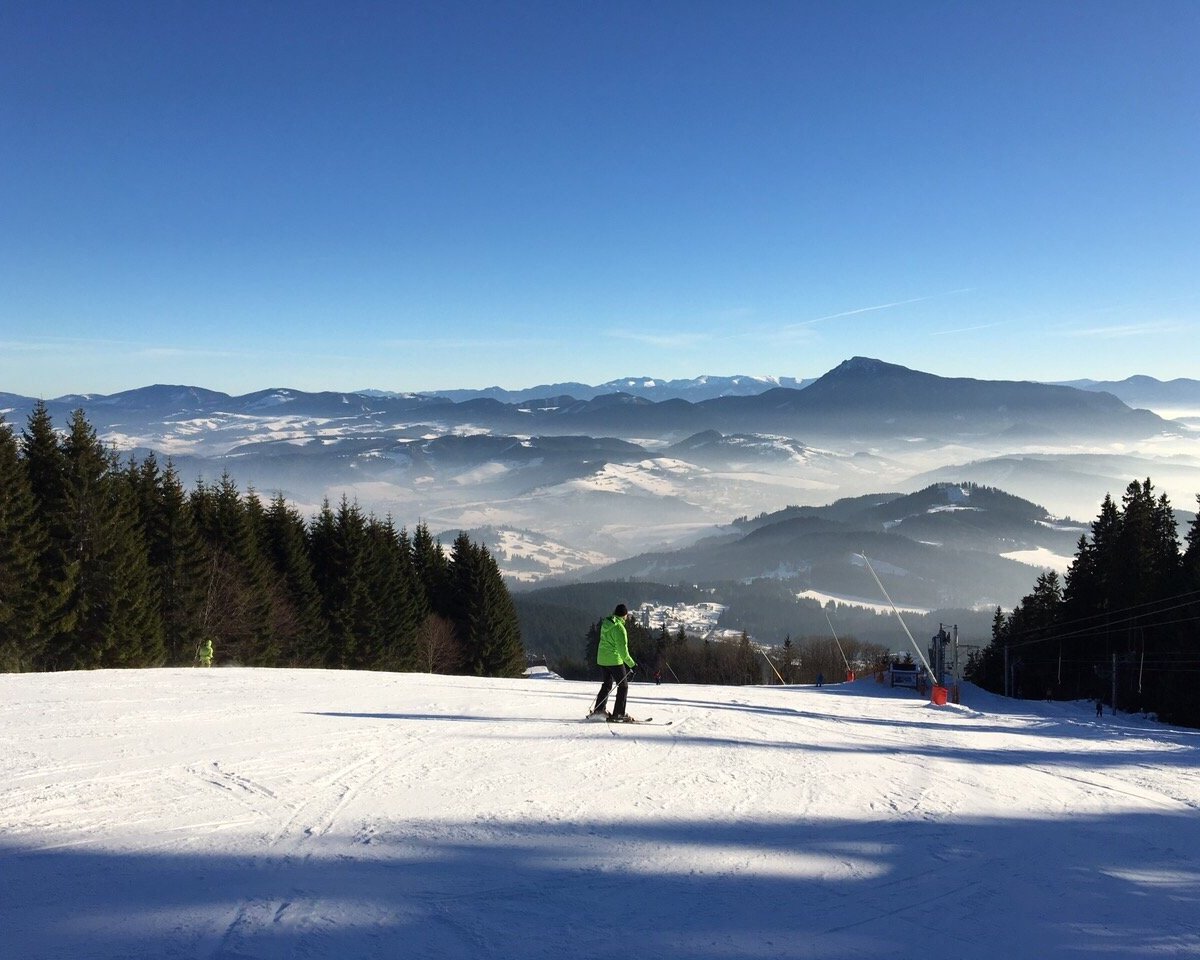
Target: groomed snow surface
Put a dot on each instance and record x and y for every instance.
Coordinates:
(235, 813)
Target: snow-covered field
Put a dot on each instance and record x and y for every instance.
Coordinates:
(269, 814)
(1041, 557)
(827, 598)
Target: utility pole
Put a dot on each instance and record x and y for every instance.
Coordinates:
(1114, 687)
(957, 667)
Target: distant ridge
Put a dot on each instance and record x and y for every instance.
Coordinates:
(860, 398)
(864, 382)
(842, 385)
(1147, 392)
(646, 388)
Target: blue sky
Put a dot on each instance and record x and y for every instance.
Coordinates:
(426, 195)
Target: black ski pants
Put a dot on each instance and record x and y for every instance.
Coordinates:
(618, 675)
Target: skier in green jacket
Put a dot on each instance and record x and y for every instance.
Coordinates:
(204, 653)
(613, 657)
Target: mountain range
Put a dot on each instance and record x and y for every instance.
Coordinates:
(647, 388)
(569, 484)
(861, 397)
(1173, 398)
(948, 545)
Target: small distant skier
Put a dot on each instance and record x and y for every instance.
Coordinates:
(1099, 708)
(205, 654)
(613, 657)
(820, 679)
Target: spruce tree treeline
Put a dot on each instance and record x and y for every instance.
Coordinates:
(111, 565)
(675, 656)
(1130, 600)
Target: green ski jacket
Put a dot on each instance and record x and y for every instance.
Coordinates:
(614, 643)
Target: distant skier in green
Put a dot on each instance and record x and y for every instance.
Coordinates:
(613, 657)
(205, 653)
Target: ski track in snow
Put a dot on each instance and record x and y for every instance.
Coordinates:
(235, 814)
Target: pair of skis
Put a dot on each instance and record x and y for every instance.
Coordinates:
(649, 720)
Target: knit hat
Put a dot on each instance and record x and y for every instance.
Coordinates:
(620, 611)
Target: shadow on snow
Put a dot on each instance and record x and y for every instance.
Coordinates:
(1117, 886)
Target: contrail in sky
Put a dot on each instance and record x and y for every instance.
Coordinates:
(691, 338)
(878, 306)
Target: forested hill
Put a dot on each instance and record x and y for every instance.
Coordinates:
(1122, 626)
(112, 564)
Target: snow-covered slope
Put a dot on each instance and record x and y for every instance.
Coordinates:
(527, 557)
(270, 814)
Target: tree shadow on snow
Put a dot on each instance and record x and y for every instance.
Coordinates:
(1124, 885)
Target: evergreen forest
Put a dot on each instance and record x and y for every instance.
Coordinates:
(1123, 626)
(105, 563)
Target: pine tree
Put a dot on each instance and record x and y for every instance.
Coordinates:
(22, 542)
(1147, 546)
(1032, 626)
(112, 605)
(322, 535)
(1092, 583)
(46, 468)
(44, 461)
(506, 653)
(237, 602)
(747, 667)
(1147, 553)
(1191, 556)
(1082, 580)
(358, 622)
(341, 568)
(177, 558)
(1106, 533)
(787, 660)
(1180, 703)
(431, 569)
(134, 627)
(591, 646)
(390, 585)
(483, 614)
(416, 589)
(302, 640)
